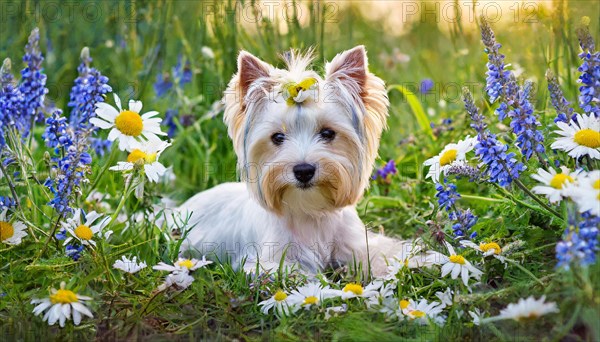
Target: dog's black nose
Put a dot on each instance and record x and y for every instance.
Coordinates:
(304, 172)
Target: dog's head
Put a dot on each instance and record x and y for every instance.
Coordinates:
(304, 142)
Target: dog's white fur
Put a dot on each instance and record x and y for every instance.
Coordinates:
(269, 215)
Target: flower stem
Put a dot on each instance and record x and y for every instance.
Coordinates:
(11, 186)
(102, 171)
(516, 200)
(50, 236)
(126, 194)
(536, 198)
(481, 198)
(109, 274)
(542, 160)
(513, 262)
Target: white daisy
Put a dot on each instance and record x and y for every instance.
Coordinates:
(96, 199)
(487, 249)
(145, 156)
(579, 138)
(183, 264)
(129, 266)
(587, 193)
(391, 307)
(528, 309)
(11, 233)
(311, 294)
(451, 154)
(280, 302)
(127, 126)
(422, 312)
(62, 305)
(86, 231)
(456, 265)
(179, 280)
(384, 293)
(410, 256)
(554, 184)
(446, 298)
(477, 316)
(335, 311)
(353, 290)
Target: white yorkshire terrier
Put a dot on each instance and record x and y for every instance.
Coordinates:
(306, 145)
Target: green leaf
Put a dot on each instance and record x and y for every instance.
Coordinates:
(416, 108)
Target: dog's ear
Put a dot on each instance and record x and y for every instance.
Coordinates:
(348, 77)
(350, 68)
(250, 68)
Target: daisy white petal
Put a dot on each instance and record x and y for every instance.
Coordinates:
(118, 101)
(122, 166)
(580, 137)
(150, 114)
(135, 106)
(100, 123)
(106, 111)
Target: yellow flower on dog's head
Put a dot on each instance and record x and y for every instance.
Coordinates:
(298, 92)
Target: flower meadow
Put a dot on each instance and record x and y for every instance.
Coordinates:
(502, 200)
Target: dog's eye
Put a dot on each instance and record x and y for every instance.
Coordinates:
(327, 134)
(278, 138)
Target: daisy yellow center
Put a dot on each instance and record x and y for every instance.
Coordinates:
(280, 296)
(448, 157)
(597, 184)
(417, 314)
(6, 230)
(311, 300)
(531, 317)
(129, 123)
(404, 304)
(354, 288)
(588, 138)
(138, 155)
(492, 245)
(84, 232)
(63, 297)
(559, 180)
(187, 263)
(457, 259)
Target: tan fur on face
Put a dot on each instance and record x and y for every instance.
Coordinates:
(339, 170)
(355, 91)
(273, 186)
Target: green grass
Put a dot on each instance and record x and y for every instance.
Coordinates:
(131, 42)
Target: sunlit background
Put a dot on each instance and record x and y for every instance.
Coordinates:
(137, 44)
